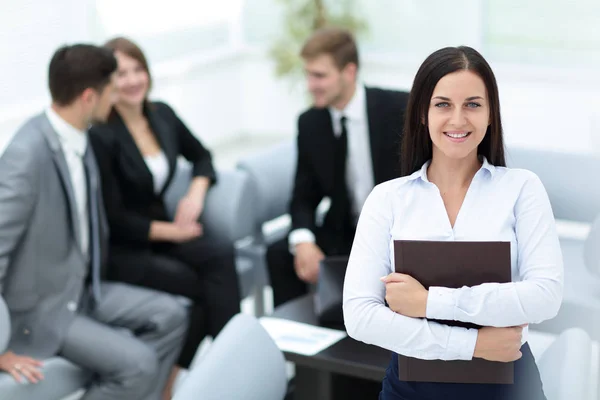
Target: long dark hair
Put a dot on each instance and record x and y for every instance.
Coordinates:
(417, 147)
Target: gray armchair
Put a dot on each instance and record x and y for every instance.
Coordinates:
(565, 367)
(228, 215)
(570, 180)
(572, 184)
(591, 249)
(61, 378)
(272, 173)
(243, 362)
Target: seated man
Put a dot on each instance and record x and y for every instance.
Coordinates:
(52, 233)
(347, 143)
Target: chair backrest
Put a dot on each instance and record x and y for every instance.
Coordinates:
(565, 366)
(243, 362)
(272, 171)
(4, 325)
(229, 205)
(570, 179)
(591, 248)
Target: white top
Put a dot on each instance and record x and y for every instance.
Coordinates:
(501, 205)
(359, 165)
(74, 144)
(159, 168)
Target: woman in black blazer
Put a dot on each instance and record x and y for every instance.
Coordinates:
(137, 152)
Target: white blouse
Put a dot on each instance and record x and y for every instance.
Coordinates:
(159, 168)
(501, 204)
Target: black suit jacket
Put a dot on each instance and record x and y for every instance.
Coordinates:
(315, 168)
(127, 183)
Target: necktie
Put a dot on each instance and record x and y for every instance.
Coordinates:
(94, 217)
(340, 201)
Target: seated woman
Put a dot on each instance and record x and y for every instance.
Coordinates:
(137, 151)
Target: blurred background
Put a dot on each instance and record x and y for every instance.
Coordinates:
(216, 62)
(231, 71)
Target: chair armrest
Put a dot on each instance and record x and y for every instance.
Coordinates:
(4, 325)
(591, 248)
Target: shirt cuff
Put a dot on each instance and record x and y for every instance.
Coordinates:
(298, 236)
(440, 303)
(461, 344)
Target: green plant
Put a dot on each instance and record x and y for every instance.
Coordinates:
(302, 17)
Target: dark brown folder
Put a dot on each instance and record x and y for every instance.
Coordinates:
(454, 265)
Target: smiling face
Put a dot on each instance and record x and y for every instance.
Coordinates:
(458, 115)
(132, 80)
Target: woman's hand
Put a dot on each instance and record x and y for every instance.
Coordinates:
(20, 366)
(162, 231)
(189, 210)
(185, 232)
(405, 295)
(499, 344)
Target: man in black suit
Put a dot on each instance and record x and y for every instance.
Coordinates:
(347, 143)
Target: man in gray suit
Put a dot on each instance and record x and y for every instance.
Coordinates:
(52, 232)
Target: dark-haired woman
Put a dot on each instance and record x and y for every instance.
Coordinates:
(455, 187)
(137, 151)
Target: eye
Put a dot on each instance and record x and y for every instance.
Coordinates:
(473, 105)
(443, 104)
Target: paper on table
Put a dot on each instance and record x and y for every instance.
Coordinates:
(296, 337)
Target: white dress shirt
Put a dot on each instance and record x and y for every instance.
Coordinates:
(159, 168)
(501, 205)
(74, 144)
(359, 165)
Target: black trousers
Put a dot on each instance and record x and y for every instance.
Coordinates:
(284, 281)
(202, 269)
(527, 385)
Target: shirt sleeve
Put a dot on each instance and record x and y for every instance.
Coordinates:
(538, 294)
(297, 236)
(366, 316)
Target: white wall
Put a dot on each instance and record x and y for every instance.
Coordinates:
(234, 94)
(225, 89)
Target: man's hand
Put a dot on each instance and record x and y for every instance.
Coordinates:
(306, 262)
(21, 366)
(499, 344)
(405, 295)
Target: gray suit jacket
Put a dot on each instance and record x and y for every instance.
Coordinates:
(42, 268)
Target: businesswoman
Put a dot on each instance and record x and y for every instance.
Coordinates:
(137, 153)
(455, 187)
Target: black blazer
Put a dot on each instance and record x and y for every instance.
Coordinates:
(315, 168)
(127, 184)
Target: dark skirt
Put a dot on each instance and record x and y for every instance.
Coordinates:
(527, 386)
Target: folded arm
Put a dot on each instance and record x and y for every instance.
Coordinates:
(366, 316)
(537, 297)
